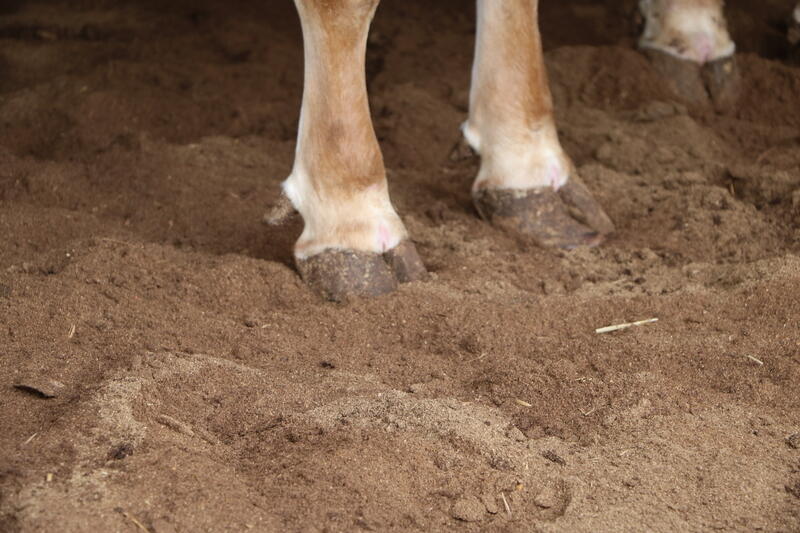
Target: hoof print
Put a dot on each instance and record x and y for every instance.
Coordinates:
(338, 275)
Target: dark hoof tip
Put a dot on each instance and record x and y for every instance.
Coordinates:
(717, 83)
(723, 81)
(405, 262)
(569, 218)
(338, 275)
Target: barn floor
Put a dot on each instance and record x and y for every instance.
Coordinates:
(199, 386)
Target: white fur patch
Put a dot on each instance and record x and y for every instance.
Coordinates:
(366, 222)
(686, 30)
(472, 137)
(533, 162)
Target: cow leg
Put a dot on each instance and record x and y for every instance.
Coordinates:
(353, 242)
(689, 43)
(526, 183)
(694, 30)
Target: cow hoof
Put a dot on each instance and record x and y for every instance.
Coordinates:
(338, 275)
(567, 218)
(715, 83)
(404, 261)
(723, 81)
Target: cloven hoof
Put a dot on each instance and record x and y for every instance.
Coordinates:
(338, 275)
(567, 218)
(716, 83)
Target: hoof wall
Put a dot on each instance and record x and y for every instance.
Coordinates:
(338, 275)
(717, 83)
(567, 218)
(404, 261)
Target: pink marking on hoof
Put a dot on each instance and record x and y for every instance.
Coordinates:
(555, 176)
(384, 237)
(702, 47)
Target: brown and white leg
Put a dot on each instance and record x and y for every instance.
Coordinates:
(526, 183)
(688, 41)
(353, 242)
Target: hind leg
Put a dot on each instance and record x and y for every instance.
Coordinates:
(526, 184)
(688, 42)
(353, 241)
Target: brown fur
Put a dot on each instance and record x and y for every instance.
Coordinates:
(344, 153)
(516, 92)
(339, 181)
